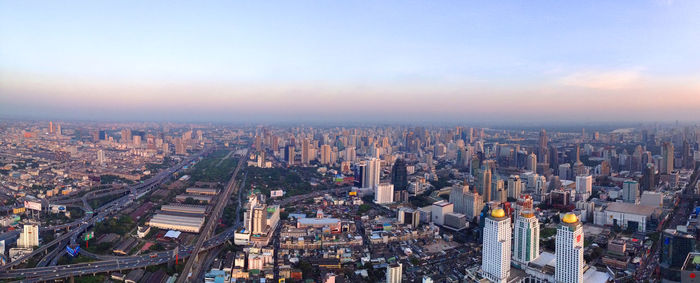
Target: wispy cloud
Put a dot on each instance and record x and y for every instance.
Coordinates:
(605, 80)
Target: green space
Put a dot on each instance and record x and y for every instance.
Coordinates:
(66, 259)
(95, 203)
(547, 232)
(91, 279)
(212, 168)
(292, 181)
(109, 179)
(121, 225)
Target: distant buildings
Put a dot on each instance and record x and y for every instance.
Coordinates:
(630, 191)
(399, 175)
(584, 187)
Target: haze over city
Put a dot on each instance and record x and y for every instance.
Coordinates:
(493, 62)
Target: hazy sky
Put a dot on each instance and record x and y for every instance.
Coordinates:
(351, 60)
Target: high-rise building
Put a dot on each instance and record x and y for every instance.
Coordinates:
(50, 127)
(180, 147)
(438, 211)
(466, 202)
(305, 155)
(326, 154)
(675, 247)
(399, 175)
(495, 260)
(259, 219)
(515, 186)
(58, 129)
(126, 136)
(527, 236)
(542, 149)
(371, 174)
(384, 193)
(101, 157)
(630, 191)
(667, 155)
(569, 250)
(531, 163)
(584, 187)
(289, 154)
(484, 183)
(394, 272)
(649, 177)
(29, 237)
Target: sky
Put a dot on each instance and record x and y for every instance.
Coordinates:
(447, 61)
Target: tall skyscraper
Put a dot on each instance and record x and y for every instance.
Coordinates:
(394, 272)
(495, 261)
(531, 163)
(667, 155)
(371, 174)
(399, 175)
(630, 191)
(101, 157)
(542, 149)
(584, 187)
(305, 155)
(50, 127)
(514, 186)
(289, 154)
(569, 250)
(527, 236)
(484, 183)
(29, 237)
(326, 154)
(649, 177)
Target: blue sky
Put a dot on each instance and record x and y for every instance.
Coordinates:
(344, 59)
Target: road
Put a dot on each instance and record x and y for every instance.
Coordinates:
(213, 219)
(116, 205)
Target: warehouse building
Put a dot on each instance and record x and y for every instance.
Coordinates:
(629, 215)
(202, 191)
(177, 222)
(200, 198)
(185, 208)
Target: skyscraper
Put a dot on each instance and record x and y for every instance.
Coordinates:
(305, 152)
(584, 187)
(514, 186)
(667, 155)
(101, 157)
(531, 163)
(326, 154)
(466, 202)
(569, 250)
(630, 191)
(289, 154)
(527, 236)
(542, 149)
(495, 261)
(371, 173)
(399, 175)
(484, 183)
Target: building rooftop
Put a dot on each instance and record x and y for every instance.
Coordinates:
(631, 208)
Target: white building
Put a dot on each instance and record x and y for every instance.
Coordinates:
(495, 262)
(438, 211)
(626, 214)
(394, 273)
(630, 191)
(384, 193)
(653, 199)
(584, 187)
(371, 174)
(29, 237)
(527, 237)
(569, 250)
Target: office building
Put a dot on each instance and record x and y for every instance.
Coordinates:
(515, 186)
(630, 191)
(484, 183)
(371, 173)
(326, 154)
(399, 175)
(305, 154)
(409, 216)
(531, 163)
(584, 187)
(384, 193)
(667, 156)
(569, 250)
(101, 157)
(496, 252)
(289, 154)
(527, 236)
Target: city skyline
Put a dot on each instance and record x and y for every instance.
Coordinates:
(538, 62)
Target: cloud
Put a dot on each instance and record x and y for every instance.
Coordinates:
(604, 80)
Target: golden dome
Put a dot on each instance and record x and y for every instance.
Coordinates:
(569, 218)
(498, 213)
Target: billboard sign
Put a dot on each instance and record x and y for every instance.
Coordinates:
(276, 193)
(32, 205)
(73, 251)
(89, 235)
